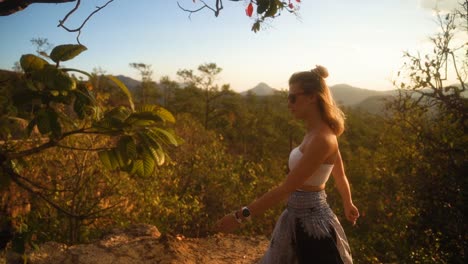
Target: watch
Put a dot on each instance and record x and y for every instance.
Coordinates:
(246, 213)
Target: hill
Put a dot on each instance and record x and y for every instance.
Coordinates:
(131, 84)
(261, 89)
(348, 95)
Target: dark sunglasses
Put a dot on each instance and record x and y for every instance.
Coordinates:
(292, 97)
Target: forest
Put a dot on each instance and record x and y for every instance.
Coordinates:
(82, 153)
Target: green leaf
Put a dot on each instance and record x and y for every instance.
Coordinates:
(262, 6)
(148, 140)
(114, 119)
(66, 52)
(256, 26)
(148, 165)
(30, 62)
(54, 79)
(82, 101)
(166, 115)
(137, 167)
(124, 88)
(169, 137)
(145, 117)
(272, 9)
(127, 148)
(43, 121)
(163, 113)
(47, 121)
(108, 159)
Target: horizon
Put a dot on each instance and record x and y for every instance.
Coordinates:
(361, 44)
(275, 88)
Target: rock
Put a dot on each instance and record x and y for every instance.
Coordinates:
(144, 244)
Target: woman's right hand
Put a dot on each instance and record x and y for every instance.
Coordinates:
(351, 213)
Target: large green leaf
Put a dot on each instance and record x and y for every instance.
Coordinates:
(144, 116)
(66, 52)
(108, 159)
(43, 121)
(79, 106)
(124, 88)
(166, 135)
(148, 165)
(47, 121)
(113, 119)
(166, 115)
(272, 9)
(262, 6)
(158, 110)
(137, 167)
(143, 167)
(30, 62)
(149, 140)
(54, 79)
(82, 101)
(127, 148)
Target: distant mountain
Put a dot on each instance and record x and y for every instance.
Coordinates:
(374, 104)
(131, 84)
(261, 89)
(348, 95)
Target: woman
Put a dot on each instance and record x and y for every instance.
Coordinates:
(307, 231)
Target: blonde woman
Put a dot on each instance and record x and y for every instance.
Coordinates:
(307, 231)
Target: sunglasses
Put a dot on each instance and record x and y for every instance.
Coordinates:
(292, 97)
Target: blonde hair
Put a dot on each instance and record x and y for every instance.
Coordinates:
(313, 82)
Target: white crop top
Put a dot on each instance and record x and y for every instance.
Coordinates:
(319, 177)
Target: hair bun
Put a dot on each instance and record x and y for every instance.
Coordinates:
(321, 71)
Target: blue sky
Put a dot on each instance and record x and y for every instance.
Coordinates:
(361, 42)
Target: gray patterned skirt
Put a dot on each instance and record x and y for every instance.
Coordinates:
(308, 232)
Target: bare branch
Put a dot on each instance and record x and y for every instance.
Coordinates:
(78, 29)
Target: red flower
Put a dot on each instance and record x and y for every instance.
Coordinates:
(249, 9)
(291, 5)
(298, 1)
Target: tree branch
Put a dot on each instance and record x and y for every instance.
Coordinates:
(8, 7)
(78, 29)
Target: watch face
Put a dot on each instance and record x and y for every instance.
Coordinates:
(245, 212)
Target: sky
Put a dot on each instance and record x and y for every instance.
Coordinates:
(361, 42)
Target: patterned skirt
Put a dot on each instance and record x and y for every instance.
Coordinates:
(308, 232)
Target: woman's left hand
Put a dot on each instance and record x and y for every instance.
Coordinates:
(352, 213)
(227, 224)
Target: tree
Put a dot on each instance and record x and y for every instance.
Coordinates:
(148, 86)
(211, 93)
(46, 107)
(431, 117)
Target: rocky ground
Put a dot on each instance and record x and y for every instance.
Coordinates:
(144, 244)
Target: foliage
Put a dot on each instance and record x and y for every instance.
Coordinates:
(46, 106)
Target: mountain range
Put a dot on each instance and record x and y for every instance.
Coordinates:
(345, 95)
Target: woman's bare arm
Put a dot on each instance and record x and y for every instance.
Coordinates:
(342, 184)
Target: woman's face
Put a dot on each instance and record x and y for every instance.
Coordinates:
(298, 101)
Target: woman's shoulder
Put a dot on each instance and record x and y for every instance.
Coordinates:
(324, 139)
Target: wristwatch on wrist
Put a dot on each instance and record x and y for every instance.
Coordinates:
(246, 213)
